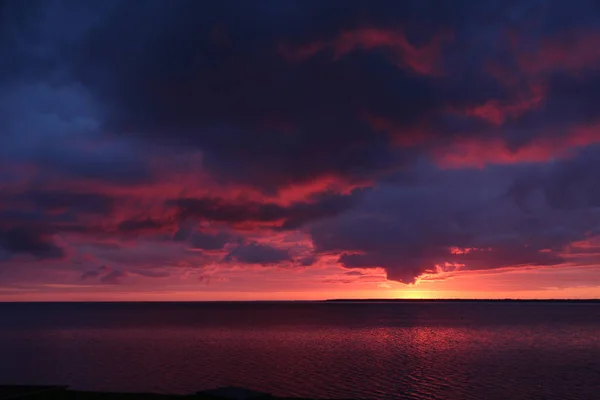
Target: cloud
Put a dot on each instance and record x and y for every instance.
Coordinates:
(421, 60)
(113, 277)
(288, 217)
(101, 270)
(138, 225)
(258, 120)
(572, 51)
(151, 273)
(497, 112)
(24, 240)
(273, 125)
(53, 201)
(110, 276)
(465, 220)
(569, 184)
(353, 273)
(379, 134)
(58, 128)
(206, 241)
(308, 260)
(256, 253)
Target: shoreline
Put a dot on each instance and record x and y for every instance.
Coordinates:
(342, 300)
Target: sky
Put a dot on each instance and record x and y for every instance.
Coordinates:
(309, 149)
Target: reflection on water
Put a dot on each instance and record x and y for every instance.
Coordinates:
(391, 350)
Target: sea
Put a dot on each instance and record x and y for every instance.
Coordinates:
(358, 350)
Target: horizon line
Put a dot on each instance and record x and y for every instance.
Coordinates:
(335, 300)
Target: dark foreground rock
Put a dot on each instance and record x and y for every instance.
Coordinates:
(13, 392)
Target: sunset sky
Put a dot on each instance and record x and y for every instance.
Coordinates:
(309, 149)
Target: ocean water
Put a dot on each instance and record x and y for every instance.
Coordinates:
(411, 350)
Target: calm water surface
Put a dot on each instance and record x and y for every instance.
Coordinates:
(358, 350)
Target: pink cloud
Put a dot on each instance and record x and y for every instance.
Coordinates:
(423, 59)
(497, 112)
(401, 136)
(475, 152)
(572, 52)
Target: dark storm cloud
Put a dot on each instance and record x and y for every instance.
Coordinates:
(111, 167)
(56, 129)
(307, 261)
(256, 253)
(187, 231)
(570, 184)
(64, 201)
(276, 93)
(28, 241)
(207, 75)
(109, 276)
(212, 76)
(103, 269)
(46, 212)
(574, 184)
(207, 241)
(62, 211)
(466, 219)
(139, 225)
(113, 277)
(287, 217)
(40, 213)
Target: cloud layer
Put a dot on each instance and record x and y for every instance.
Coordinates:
(425, 138)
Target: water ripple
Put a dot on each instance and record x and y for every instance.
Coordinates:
(398, 351)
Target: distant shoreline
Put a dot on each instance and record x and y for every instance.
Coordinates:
(317, 301)
(463, 300)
